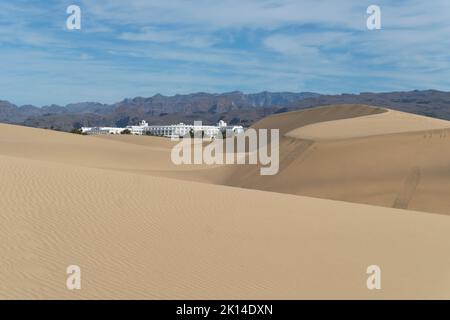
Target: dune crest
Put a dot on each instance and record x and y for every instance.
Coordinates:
(141, 237)
(350, 155)
(118, 208)
(388, 122)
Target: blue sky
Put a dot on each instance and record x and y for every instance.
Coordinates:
(143, 47)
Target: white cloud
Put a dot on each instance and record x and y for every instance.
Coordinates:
(215, 15)
(290, 46)
(158, 35)
(181, 45)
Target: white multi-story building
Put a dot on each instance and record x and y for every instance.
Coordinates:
(101, 130)
(139, 129)
(181, 130)
(176, 130)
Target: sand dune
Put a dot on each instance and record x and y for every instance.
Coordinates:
(138, 154)
(289, 121)
(117, 207)
(378, 124)
(405, 170)
(136, 236)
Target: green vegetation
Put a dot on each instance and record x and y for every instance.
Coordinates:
(76, 131)
(149, 133)
(281, 110)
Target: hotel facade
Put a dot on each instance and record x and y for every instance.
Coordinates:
(169, 131)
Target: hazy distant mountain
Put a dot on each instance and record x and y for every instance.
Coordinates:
(212, 103)
(233, 107)
(88, 107)
(430, 103)
(156, 109)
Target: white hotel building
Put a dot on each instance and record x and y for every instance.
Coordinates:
(175, 130)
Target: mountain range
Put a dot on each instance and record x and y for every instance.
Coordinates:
(234, 107)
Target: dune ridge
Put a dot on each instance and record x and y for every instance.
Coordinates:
(137, 236)
(388, 122)
(362, 164)
(142, 228)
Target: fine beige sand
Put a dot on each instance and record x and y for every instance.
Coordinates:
(136, 236)
(379, 124)
(142, 228)
(359, 163)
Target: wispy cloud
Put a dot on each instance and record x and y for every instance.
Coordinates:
(177, 37)
(140, 47)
